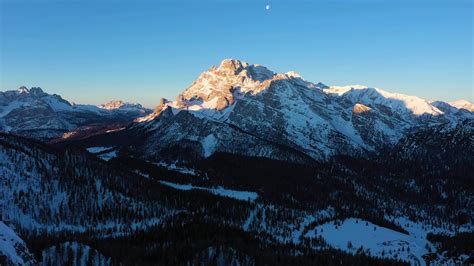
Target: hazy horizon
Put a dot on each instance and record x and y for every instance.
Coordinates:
(93, 52)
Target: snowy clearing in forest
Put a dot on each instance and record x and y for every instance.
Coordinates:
(108, 156)
(219, 191)
(175, 167)
(104, 153)
(356, 235)
(95, 150)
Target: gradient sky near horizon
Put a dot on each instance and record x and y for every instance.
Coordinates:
(94, 51)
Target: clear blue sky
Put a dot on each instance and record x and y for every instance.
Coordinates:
(95, 51)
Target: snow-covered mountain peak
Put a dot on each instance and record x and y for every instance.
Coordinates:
(232, 66)
(23, 89)
(219, 87)
(35, 91)
(293, 74)
(241, 69)
(399, 103)
(119, 104)
(463, 104)
(114, 104)
(341, 90)
(33, 97)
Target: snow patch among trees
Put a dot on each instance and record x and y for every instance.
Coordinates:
(357, 236)
(209, 144)
(219, 191)
(13, 247)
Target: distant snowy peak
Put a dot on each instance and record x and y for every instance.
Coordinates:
(36, 114)
(33, 92)
(34, 97)
(455, 111)
(115, 104)
(463, 104)
(23, 89)
(121, 105)
(293, 74)
(23, 97)
(230, 80)
(400, 103)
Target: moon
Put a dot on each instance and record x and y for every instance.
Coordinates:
(267, 7)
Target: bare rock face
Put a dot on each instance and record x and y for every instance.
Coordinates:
(161, 105)
(360, 109)
(218, 86)
(232, 66)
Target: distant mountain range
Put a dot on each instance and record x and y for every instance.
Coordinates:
(36, 114)
(249, 110)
